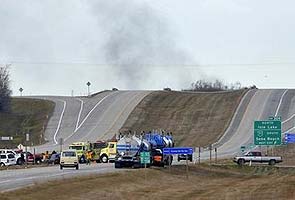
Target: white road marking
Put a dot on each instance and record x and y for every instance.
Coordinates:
(60, 120)
(289, 129)
(288, 119)
(81, 109)
(98, 103)
(280, 103)
(92, 111)
(119, 115)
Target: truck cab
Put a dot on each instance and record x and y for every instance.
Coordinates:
(80, 148)
(104, 151)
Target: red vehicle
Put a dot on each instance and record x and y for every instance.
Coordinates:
(30, 158)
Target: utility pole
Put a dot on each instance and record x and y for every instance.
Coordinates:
(88, 85)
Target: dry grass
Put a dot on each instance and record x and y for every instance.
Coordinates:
(196, 119)
(287, 152)
(205, 182)
(27, 115)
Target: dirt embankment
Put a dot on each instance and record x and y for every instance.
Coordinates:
(26, 116)
(195, 119)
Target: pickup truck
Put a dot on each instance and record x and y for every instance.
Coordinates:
(30, 156)
(256, 156)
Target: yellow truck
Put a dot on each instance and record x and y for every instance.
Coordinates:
(102, 151)
(81, 148)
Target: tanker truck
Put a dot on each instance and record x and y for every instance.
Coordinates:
(129, 149)
(158, 142)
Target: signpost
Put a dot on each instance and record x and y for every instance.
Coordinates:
(21, 91)
(243, 149)
(60, 142)
(145, 158)
(27, 142)
(289, 138)
(179, 150)
(268, 132)
(88, 86)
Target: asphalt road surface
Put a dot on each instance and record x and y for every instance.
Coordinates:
(264, 103)
(100, 117)
(15, 179)
(88, 118)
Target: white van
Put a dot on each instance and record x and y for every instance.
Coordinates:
(69, 158)
(7, 159)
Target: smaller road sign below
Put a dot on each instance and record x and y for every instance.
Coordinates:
(6, 138)
(145, 158)
(289, 138)
(178, 150)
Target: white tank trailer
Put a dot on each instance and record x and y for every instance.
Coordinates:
(128, 149)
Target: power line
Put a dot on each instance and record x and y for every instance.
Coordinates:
(193, 65)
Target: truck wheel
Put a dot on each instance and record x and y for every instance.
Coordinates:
(38, 161)
(77, 167)
(272, 162)
(241, 162)
(2, 164)
(20, 161)
(60, 167)
(82, 159)
(117, 165)
(104, 158)
(136, 166)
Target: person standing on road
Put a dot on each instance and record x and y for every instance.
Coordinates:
(88, 157)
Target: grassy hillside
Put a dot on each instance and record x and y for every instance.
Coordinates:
(195, 119)
(27, 115)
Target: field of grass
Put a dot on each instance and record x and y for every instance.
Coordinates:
(204, 182)
(27, 115)
(287, 152)
(195, 119)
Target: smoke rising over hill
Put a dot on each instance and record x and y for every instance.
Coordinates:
(138, 40)
(118, 43)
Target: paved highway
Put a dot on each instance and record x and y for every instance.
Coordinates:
(88, 118)
(101, 116)
(14, 179)
(263, 103)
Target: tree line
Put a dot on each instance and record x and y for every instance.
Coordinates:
(215, 85)
(5, 92)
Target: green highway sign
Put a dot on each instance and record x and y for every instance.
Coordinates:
(145, 158)
(268, 132)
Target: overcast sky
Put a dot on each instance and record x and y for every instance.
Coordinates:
(57, 46)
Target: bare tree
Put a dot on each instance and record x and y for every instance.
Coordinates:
(211, 86)
(5, 91)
